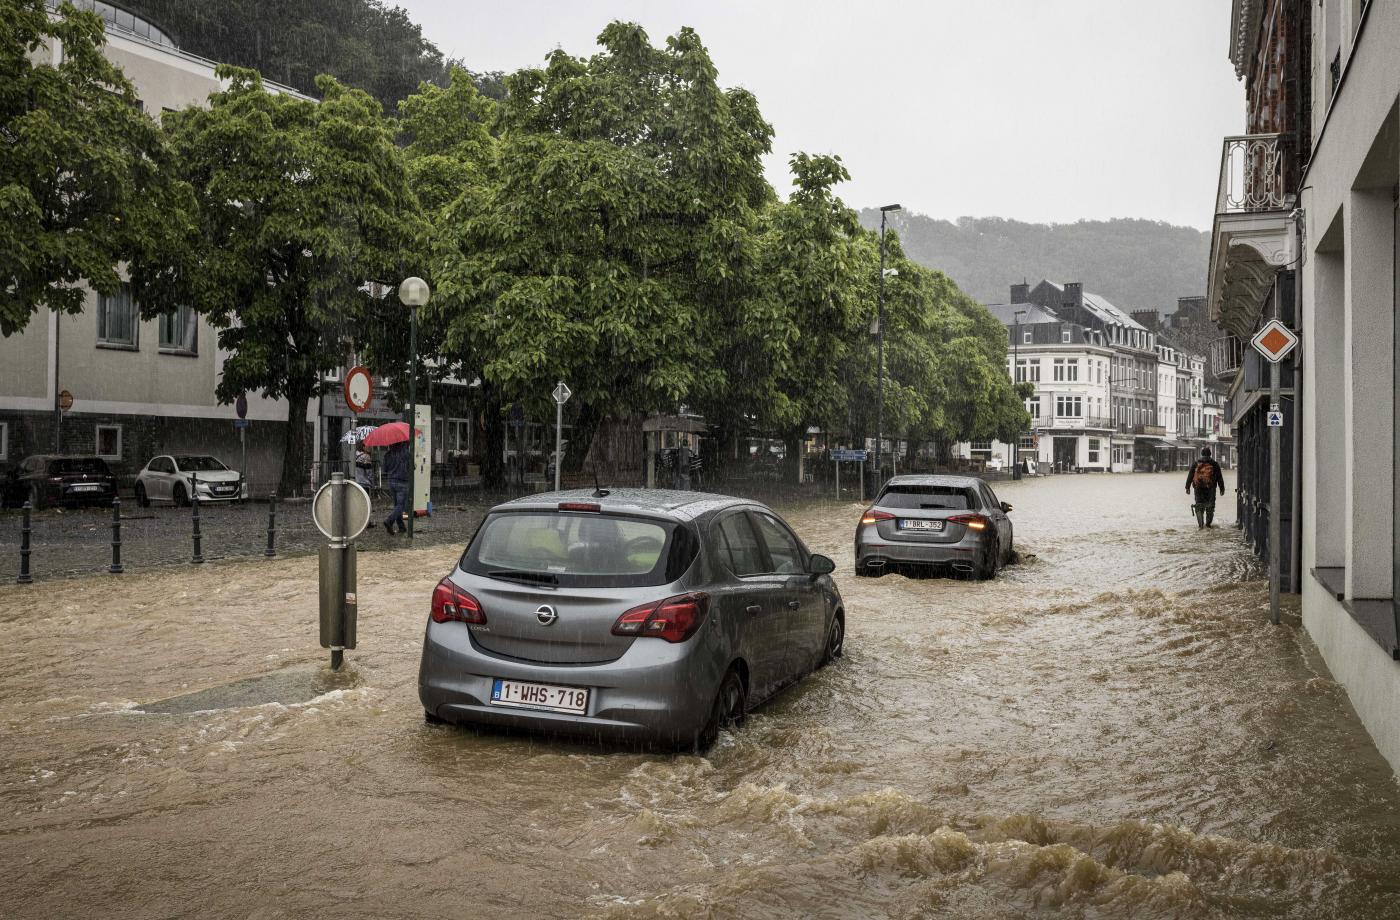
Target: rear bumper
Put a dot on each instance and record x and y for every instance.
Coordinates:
(873, 550)
(656, 692)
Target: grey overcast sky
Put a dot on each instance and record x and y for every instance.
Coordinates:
(1039, 110)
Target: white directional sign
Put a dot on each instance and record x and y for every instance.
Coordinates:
(1274, 341)
(562, 394)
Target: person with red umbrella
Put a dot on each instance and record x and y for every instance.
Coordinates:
(396, 468)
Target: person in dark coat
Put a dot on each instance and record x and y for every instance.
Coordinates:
(1205, 478)
(396, 468)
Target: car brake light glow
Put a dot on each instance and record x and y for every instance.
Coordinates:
(973, 521)
(452, 603)
(871, 516)
(579, 506)
(675, 619)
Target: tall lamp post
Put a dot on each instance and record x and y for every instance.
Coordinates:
(880, 337)
(1016, 370)
(413, 292)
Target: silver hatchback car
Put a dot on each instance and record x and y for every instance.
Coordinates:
(953, 522)
(634, 615)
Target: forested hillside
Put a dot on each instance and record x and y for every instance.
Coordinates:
(1137, 264)
(362, 43)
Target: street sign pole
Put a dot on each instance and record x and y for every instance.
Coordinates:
(561, 396)
(837, 464)
(1275, 477)
(1274, 341)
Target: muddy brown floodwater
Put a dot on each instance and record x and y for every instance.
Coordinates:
(1110, 729)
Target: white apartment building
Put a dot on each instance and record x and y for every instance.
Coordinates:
(1069, 365)
(139, 387)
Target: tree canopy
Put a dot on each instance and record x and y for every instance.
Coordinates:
(299, 205)
(82, 169)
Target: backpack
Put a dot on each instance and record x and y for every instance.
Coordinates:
(1204, 476)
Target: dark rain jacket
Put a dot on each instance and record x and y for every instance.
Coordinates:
(1217, 478)
(396, 462)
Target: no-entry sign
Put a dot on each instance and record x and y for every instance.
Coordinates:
(359, 389)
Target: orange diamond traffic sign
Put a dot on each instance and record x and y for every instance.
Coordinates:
(1274, 341)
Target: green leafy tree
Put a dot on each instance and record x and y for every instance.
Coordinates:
(80, 166)
(299, 205)
(607, 239)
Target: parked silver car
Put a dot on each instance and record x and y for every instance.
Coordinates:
(638, 615)
(174, 478)
(954, 522)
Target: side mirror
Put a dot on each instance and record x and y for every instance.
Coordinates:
(1005, 508)
(820, 565)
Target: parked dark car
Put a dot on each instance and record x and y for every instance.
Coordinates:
(50, 479)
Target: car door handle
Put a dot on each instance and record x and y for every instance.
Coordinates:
(793, 605)
(754, 609)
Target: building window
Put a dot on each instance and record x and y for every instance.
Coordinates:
(116, 319)
(1033, 407)
(179, 331)
(1093, 450)
(1067, 369)
(1027, 442)
(1069, 407)
(109, 442)
(1025, 338)
(1064, 335)
(4, 440)
(982, 447)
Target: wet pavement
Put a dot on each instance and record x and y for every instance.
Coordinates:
(1111, 729)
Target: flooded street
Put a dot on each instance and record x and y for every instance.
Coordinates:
(1110, 729)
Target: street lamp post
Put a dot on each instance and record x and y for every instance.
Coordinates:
(1016, 369)
(413, 292)
(880, 338)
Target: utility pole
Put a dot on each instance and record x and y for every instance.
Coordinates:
(1015, 370)
(880, 337)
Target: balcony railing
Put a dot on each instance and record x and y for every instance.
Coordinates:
(1257, 173)
(1071, 421)
(1226, 356)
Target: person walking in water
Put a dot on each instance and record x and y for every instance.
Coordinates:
(1205, 477)
(395, 469)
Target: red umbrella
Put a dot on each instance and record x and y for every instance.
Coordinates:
(384, 435)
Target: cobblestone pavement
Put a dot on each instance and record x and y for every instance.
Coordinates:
(78, 541)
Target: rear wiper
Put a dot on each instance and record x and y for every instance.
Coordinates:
(546, 578)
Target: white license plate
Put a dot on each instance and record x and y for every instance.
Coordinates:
(87, 487)
(525, 695)
(906, 524)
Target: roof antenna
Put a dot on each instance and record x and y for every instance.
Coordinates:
(598, 490)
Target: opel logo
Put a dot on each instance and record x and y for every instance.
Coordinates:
(546, 615)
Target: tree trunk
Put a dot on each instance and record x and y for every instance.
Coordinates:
(294, 464)
(581, 437)
(792, 454)
(493, 470)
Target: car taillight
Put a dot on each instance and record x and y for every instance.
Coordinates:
(871, 516)
(579, 506)
(452, 603)
(973, 521)
(675, 619)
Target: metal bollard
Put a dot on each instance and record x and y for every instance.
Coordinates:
(116, 567)
(271, 550)
(194, 510)
(24, 577)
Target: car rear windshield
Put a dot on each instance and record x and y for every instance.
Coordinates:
(199, 464)
(77, 465)
(582, 549)
(931, 498)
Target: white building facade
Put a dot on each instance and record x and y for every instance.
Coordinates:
(139, 387)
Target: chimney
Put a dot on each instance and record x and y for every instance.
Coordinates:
(1020, 293)
(1074, 293)
(1148, 319)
